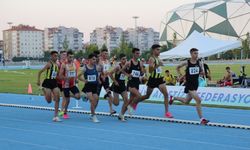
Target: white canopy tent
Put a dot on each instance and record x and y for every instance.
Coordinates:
(207, 46)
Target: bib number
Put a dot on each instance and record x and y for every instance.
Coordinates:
(71, 74)
(136, 74)
(122, 77)
(105, 67)
(194, 70)
(158, 70)
(91, 78)
(54, 74)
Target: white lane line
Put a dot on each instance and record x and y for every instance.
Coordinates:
(96, 139)
(32, 144)
(145, 135)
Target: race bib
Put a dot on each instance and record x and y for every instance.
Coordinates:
(122, 77)
(158, 70)
(194, 70)
(54, 74)
(105, 67)
(136, 73)
(71, 74)
(91, 78)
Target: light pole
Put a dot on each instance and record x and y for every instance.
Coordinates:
(136, 35)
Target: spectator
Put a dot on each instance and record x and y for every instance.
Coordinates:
(169, 79)
(207, 71)
(228, 79)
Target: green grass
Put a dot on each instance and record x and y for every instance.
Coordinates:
(218, 70)
(16, 81)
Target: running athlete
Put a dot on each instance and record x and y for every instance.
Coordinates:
(63, 59)
(90, 73)
(193, 70)
(50, 84)
(104, 77)
(135, 69)
(68, 74)
(119, 87)
(156, 79)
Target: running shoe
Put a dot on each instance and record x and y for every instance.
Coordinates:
(57, 119)
(60, 114)
(134, 106)
(84, 97)
(122, 118)
(65, 116)
(204, 121)
(106, 95)
(112, 112)
(130, 110)
(171, 100)
(94, 119)
(169, 115)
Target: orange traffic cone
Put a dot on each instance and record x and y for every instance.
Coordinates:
(29, 89)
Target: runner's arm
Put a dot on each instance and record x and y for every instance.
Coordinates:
(47, 66)
(80, 75)
(62, 69)
(111, 75)
(179, 67)
(151, 65)
(123, 69)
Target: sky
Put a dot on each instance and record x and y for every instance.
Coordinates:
(86, 15)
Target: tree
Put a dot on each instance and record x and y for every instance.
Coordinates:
(246, 47)
(128, 50)
(90, 49)
(46, 55)
(79, 54)
(146, 54)
(115, 52)
(124, 48)
(65, 44)
(104, 46)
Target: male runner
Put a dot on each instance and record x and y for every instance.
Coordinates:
(156, 79)
(68, 74)
(50, 84)
(193, 70)
(91, 80)
(119, 87)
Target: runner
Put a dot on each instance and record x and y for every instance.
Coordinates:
(135, 69)
(156, 79)
(91, 80)
(63, 59)
(68, 74)
(49, 85)
(119, 87)
(104, 77)
(193, 70)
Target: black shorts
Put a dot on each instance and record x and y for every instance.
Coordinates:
(60, 86)
(50, 83)
(90, 88)
(119, 89)
(133, 84)
(190, 87)
(73, 89)
(105, 83)
(155, 82)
